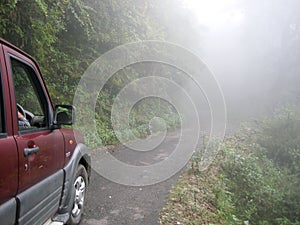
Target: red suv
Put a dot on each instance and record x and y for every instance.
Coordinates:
(45, 169)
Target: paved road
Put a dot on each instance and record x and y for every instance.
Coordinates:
(109, 203)
(114, 204)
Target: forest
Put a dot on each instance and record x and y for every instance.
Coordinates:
(255, 177)
(65, 37)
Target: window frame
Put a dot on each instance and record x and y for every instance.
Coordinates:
(39, 91)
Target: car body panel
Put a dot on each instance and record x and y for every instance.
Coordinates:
(41, 200)
(38, 166)
(8, 212)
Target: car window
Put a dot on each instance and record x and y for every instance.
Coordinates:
(29, 97)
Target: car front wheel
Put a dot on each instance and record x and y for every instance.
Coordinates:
(80, 186)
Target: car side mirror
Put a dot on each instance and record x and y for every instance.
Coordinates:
(64, 115)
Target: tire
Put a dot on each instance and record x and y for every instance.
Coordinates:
(80, 185)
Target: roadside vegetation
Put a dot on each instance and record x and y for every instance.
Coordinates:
(254, 179)
(66, 36)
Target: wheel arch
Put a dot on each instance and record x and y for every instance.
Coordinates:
(80, 156)
(86, 162)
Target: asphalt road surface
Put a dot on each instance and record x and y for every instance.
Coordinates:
(110, 203)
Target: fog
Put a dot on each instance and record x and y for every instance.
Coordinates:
(253, 48)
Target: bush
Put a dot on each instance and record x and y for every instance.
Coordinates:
(253, 180)
(262, 168)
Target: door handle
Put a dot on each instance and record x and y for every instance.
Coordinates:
(30, 151)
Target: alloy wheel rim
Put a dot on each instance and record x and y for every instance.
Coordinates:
(79, 186)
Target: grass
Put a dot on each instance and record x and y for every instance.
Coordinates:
(193, 199)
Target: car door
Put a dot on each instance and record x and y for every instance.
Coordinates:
(40, 149)
(8, 153)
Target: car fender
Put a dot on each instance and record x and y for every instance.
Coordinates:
(80, 156)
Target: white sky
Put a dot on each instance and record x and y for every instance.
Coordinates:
(216, 13)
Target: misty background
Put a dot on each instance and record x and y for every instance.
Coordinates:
(253, 48)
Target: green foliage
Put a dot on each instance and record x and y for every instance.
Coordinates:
(261, 165)
(256, 178)
(66, 36)
(44, 29)
(192, 200)
(279, 136)
(256, 185)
